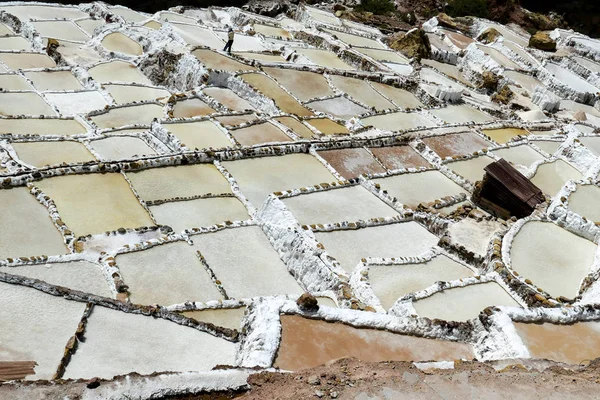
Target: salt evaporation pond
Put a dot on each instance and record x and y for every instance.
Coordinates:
(124, 94)
(14, 43)
(397, 121)
(572, 344)
(399, 157)
(118, 71)
(40, 154)
(569, 78)
(198, 36)
(412, 189)
(584, 201)
(272, 31)
(298, 349)
(360, 90)
(95, 203)
(43, 127)
(89, 25)
(16, 61)
(14, 82)
(592, 143)
(40, 12)
(402, 98)
(77, 103)
(324, 58)
(201, 134)
(346, 204)
(549, 146)
(228, 98)
(463, 303)
(217, 61)
(339, 107)
(226, 317)
(303, 85)
(519, 155)
(282, 99)
(472, 169)
(383, 55)
(355, 40)
(133, 115)
(550, 177)
(538, 253)
(54, 80)
(33, 343)
(504, 135)
(121, 148)
(407, 239)
(327, 126)
(351, 163)
(259, 134)
(65, 30)
(193, 107)
(199, 213)
(299, 128)
(259, 271)
(77, 275)
(27, 227)
(154, 344)
(390, 282)
(166, 274)
(259, 177)
(23, 103)
(457, 114)
(456, 144)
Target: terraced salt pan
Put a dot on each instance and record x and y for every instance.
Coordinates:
(243, 42)
(76, 103)
(173, 17)
(262, 57)
(528, 82)
(569, 78)
(572, 344)
(282, 99)
(45, 325)
(407, 239)
(178, 181)
(538, 253)
(323, 16)
(234, 120)
(259, 134)
(65, 30)
(197, 36)
(548, 146)
(361, 91)
(303, 85)
(400, 97)
(355, 40)
(351, 163)
(457, 114)
(153, 25)
(216, 61)
(199, 213)
(123, 94)
(459, 40)
(154, 344)
(138, 115)
(298, 349)
(327, 126)
(38, 126)
(226, 317)
(14, 82)
(26, 228)
(520, 155)
(228, 98)
(456, 144)
(40, 154)
(520, 52)
(397, 121)
(191, 108)
(245, 263)
(166, 274)
(552, 176)
(128, 15)
(95, 203)
(346, 204)
(400, 69)
(592, 66)
(390, 282)
(472, 169)
(201, 134)
(339, 107)
(21, 103)
(55, 80)
(584, 202)
(383, 55)
(449, 70)
(475, 235)
(77, 275)
(504, 135)
(272, 31)
(592, 143)
(511, 35)
(16, 43)
(121, 148)
(259, 177)
(78, 54)
(397, 157)
(16, 61)
(498, 57)
(298, 127)
(463, 303)
(324, 58)
(35, 12)
(117, 71)
(89, 25)
(5, 30)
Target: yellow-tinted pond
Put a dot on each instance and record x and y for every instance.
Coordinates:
(40, 154)
(504, 135)
(214, 60)
(282, 99)
(123, 94)
(304, 85)
(16, 61)
(38, 126)
(361, 91)
(191, 108)
(143, 115)
(201, 135)
(17, 103)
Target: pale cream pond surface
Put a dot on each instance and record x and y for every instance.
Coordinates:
(164, 203)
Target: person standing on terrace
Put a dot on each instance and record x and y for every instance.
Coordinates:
(230, 36)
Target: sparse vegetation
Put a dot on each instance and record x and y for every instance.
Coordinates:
(378, 7)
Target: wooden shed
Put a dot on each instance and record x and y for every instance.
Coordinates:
(505, 192)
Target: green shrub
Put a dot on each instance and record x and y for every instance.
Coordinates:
(376, 6)
(462, 8)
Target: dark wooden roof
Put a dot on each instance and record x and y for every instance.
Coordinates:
(514, 182)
